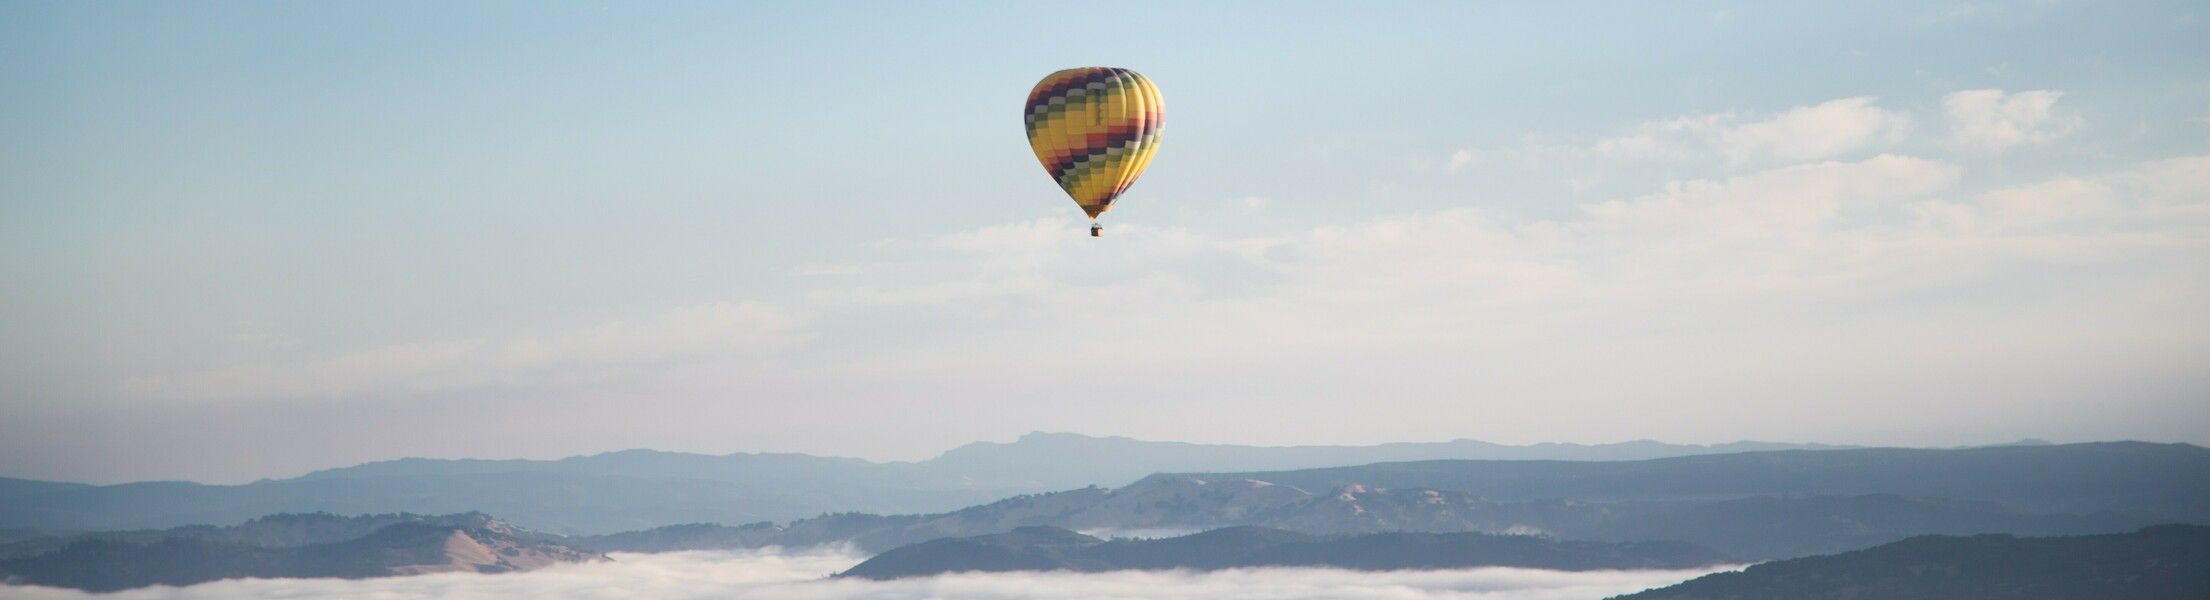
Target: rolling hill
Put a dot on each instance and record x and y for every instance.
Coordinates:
(2152, 481)
(2114, 487)
(2168, 561)
(410, 545)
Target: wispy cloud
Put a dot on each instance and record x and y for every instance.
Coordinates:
(571, 356)
(1826, 130)
(1004, 296)
(1830, 129)
(1996, 120)
(1800, 281)
(1461, 159)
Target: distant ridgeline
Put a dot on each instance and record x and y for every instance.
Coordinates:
(637, 489)
(1747, 506)
(1054, 549)
(1753, 506)
(317, 545)
(2169, 561)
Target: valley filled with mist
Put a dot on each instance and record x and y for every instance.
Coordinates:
(1205, 511)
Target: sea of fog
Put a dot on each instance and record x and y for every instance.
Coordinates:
(803, 574)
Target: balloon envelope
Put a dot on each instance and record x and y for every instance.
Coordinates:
(1094, 129)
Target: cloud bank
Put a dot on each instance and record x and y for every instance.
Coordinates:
(1803, 273)
(801, 576)
(1886, 283)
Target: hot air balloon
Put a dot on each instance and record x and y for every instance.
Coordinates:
(1094, 128)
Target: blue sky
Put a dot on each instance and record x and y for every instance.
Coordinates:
(242, 240)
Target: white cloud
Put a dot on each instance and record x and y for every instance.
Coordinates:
(2048, 202)
(1013, 244)
(1461, 159)
(2176, 190)
(1804, 280)
(1773, 201)
(1829, 129)
(1993, 119)
(802, 576)
(1830, 238)
(2164, 193)
(1000, 295)
(1675, 138)
(2182, 179)
(1825, 130)
(1444, 280)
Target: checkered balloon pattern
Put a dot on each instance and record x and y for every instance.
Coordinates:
(1094, 129)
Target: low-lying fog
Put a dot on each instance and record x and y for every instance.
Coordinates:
(778, 574)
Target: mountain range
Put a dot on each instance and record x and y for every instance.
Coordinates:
(2155, 481)
(1731, 505)
(285, 530)
(1750, 506)
(286, 546)
(635, 489)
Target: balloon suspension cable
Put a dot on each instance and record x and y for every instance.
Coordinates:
(1097, 230)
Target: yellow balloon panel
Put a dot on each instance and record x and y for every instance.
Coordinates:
(1094, 129)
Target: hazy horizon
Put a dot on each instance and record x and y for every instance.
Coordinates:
(1008, 440)
(243, 240)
